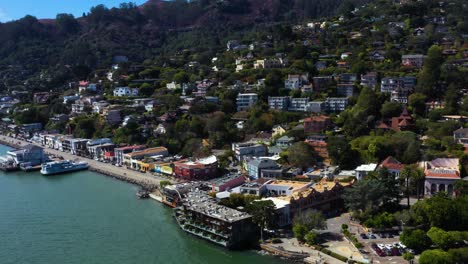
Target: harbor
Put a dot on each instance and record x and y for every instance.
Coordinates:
(145, 180)
(94, 219)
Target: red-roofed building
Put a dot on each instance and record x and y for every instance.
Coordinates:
(319, 144)
(392, 165)
(401, 123)
(317, 123)
(441, 175)
(203, 169)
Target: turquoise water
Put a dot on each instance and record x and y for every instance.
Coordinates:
(85, 217)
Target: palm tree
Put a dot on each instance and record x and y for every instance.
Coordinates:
(411, 173)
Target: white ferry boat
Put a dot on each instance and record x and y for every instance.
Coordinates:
(56, 167)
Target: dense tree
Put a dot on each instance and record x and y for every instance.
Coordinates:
(390, 109)
(67, 24)
(301, 155)
(451, 100)
(263, 214)
(311, 219)
(430, 74)
(415, 239)
(417, 101)
(341, 153)
(435, 256)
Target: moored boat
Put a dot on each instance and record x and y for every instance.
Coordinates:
(63, 166)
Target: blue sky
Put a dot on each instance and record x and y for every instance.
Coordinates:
(15, 9)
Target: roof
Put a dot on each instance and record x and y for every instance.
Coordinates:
(317, 118)
(442, 174)
(291, 184)
(391, 163)
(444, 163)
(367, 167)
(147, 151)
(204, 204)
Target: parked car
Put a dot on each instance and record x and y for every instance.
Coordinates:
(363, 236)
(396, 252)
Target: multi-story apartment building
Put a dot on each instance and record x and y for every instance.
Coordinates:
(316, 107)
(322, 82)
(369, 80)
(413, 60)
(346, 90)
(246, 100)
(296, 81)
(336, 104)
(248, 149)
(278, 102)
(298, 104)
(202, 216)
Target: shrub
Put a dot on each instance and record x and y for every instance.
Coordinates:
(344, 227)
(408, 256)
(276, 241)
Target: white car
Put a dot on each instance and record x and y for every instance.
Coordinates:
(402, 245)
(381, 246)
(389, 246)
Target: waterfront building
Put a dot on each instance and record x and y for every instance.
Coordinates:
(248, 149)
(282, 211)
(131, 160)
(119, 152)
(441, 175)
(323, 196)
(31, 154)
(246, 100)
(202, 169)
(97, 151)
(202, 216)
(76, 146)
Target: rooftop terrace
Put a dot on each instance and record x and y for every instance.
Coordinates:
(204, 204)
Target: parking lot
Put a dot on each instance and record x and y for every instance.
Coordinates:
(382, 248)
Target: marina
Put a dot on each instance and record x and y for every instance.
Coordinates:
(95, 220)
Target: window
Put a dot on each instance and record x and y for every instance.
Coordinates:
(442, 188)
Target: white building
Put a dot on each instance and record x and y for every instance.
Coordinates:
(299, 104)
(245, 101)
(364, 169)
(297, 81)
(336, 104)
(125, 91)
(278, 102)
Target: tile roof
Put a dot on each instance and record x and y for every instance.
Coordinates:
(391, 163)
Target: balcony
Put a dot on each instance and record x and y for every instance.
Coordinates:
(202, 234)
